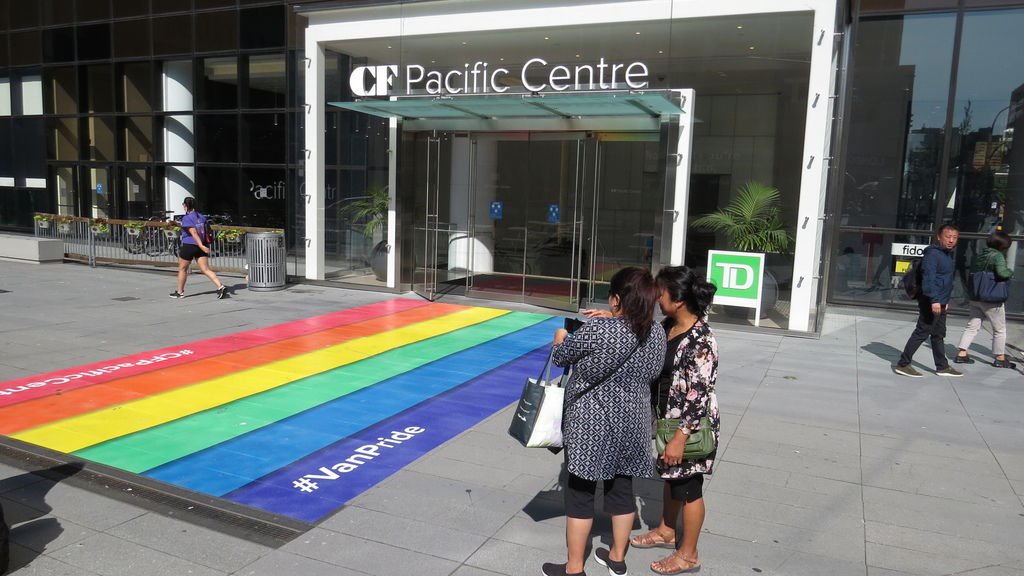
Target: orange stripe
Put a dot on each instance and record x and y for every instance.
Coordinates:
(33, 413)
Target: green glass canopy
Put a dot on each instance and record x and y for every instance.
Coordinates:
(652, 105)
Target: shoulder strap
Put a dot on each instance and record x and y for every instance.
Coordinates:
(608, 375)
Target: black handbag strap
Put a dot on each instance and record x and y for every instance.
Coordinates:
(609, 375)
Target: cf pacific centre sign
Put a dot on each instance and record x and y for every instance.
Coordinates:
(535, 75)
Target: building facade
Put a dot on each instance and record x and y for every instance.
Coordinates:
(525, 151)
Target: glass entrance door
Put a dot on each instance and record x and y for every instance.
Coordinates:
(442, 242)
(529, 220)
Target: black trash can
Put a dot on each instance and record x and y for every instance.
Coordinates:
(266, 254)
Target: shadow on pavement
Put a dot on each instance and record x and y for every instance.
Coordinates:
(28, 517)
(883, 351)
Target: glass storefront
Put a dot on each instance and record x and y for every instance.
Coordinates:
(936, 100)
(516, 208)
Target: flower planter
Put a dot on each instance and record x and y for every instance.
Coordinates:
(171, 234)
(99, 230)
(64, 228)
(133, 231)
(43, 224)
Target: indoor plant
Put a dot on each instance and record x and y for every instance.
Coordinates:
(753, 223)
(372, 210)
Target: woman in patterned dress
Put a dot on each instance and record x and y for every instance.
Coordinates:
(607, 429)
(685, 390)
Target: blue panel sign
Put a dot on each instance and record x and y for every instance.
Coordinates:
(497, 210)
(554, 213)
(99, 188)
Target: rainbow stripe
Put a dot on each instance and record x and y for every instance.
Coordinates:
(259, 418)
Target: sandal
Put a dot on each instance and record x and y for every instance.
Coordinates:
(675, 564)
(652, 540)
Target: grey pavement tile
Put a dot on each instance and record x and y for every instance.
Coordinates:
(747, 482)
(112, 556)
(921, 450)
(25, 562)
(801, 564)
(929, 542)
(366, 556)
(915, 562)
(474, 571)
(787, 437)
(75, 504)
(994, 524)
(815, 463)
(443, 501)
(937, 481)
(513, 559)
(549, 536)
(876, 571)
(279, 563)
(424, 537)
(47, 534)
(200, 545)
(842, 540)
(725, 555)
(848, 515)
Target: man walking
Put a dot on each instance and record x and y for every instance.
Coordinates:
(937, 272)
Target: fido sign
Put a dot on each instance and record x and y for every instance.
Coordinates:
(738, 277)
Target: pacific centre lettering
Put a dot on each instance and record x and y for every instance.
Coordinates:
(536, 75)
(362, 455)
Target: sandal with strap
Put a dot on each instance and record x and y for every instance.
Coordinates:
(652, 540)
(675, 564)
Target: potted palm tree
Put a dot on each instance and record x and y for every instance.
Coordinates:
(371, 211)
(753, 223)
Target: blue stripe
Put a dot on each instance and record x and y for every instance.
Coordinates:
(232, 464)
(441, 418)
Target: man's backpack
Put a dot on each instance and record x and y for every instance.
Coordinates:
(205, 230)
(911, 281)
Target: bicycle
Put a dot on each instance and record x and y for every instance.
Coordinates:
(152, 240)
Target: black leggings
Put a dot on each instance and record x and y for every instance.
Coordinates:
(579, 496)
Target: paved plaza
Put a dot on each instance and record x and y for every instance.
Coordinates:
(829, 463)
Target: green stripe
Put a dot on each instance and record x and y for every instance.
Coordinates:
(167, 442)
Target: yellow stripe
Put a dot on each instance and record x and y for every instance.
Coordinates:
(86, 430)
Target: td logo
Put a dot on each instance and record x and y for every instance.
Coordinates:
(372, 80)
(736, 274)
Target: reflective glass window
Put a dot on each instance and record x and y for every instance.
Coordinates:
(137, 87)
(65, 143)
(63, 90)
(5, 98)
(131, 38)
(263, 27)
(986, 173)
(217, 190)
(204, 4)
(216, 31)
(57, 12)
(126, 8)
(5, 53)
(867, 6)
(263, 138)
(267, 81)
(4, 18)
(164, 6)
(92, 10)
(25, 48)
(6, 152)
(217, 137)
(172, 35)
(24, 14)
(59, 44)
(102, 143)
(898, 111)
(263, 198)
(94, 42)
(138, 138)
(218, 89)
(99, 88)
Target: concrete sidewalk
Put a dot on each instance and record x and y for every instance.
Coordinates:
(830, 463)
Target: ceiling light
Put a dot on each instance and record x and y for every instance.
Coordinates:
(661, 51)
(389, 47)
(637, 33)
(463, 43)
(739, 27)
(750, 47)
(547, 38)
(577, 55)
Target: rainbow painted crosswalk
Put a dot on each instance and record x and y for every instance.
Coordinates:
(294, 419)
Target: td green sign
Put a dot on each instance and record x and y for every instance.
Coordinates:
(738, 277)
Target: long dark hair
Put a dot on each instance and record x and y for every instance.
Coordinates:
(687, 286)
(638, 295)
(190, 204)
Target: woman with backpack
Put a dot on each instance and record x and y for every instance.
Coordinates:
(196, 238)
(992, 259)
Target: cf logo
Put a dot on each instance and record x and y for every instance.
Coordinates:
(736, 276)
(372, 80)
